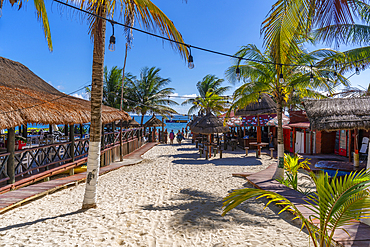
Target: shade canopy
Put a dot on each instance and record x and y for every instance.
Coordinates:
(154, 122)
(274, 121)
(26, 98)
(338, 114)
(265, 106)
(130, 123)
(209, 124)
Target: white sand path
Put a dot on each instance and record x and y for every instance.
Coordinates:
(172, 198)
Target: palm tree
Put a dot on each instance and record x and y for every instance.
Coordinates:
(112, 86)
(151, 17)
(290, 21)
(209, 83)
(149, 94)
(264, 77)
(211, 102)
(335, 204)
(41, 16)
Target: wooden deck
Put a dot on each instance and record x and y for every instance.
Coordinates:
(359, 232)
(23, 195)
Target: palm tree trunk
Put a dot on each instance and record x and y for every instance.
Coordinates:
(280, 138)
(93, 162)
(121, 105)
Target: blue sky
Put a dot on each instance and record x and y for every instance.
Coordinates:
(217, 25)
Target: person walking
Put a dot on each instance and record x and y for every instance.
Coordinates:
(179, 137)
(165, 136)
(183, 133)
(186, 132)
(172, 136)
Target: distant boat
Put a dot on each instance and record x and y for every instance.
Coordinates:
(177, 121)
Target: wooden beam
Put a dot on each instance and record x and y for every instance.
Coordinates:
(10, 149)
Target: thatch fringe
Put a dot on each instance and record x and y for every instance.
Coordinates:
(208, 124)
(266, 106)
(26, 98)
(154, 122)
(338, 114)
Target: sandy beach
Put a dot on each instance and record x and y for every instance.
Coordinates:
(172, 198)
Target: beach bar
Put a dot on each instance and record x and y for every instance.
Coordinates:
(27, 99)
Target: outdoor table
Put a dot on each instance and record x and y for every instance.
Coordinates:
(259, 146)
(33, 139)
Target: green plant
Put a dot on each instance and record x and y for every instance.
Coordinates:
(335, 204)
(291, 166)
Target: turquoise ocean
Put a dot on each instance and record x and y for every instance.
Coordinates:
(170, 126)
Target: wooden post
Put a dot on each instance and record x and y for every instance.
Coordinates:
(50, 129)
(72, 140)
(258, 130)
(66, 129)
(120, 142)
(81, 130)
(162, 136)
(10, 149)
(349, 146)
(102, 138)
(24, 134)
(312, 142)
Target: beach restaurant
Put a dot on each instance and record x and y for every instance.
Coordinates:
(346, 124)
(27, 99)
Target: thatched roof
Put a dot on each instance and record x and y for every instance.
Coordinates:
(209, 124)
(266, 106)
(154, 122)
(338, 114)
(130, 123)
(26, 98)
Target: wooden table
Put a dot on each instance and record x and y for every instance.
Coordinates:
(259, 146)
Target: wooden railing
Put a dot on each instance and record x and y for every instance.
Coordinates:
(32, 162)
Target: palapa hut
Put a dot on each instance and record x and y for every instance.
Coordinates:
(341, 115)
(130, 124)
(26, 98)
(154, 122)
(264, 106)
(207, 125)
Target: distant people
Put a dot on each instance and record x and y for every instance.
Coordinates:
(172, 136)
(271, 140)
(186, 132)
(179, 137)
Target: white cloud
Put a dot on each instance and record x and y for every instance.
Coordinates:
(81, 95)
(60, 87)
(174, 94)
(190, 95)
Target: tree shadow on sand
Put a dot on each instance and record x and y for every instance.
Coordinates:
(41, 220)
(201, 210)
(194, 159)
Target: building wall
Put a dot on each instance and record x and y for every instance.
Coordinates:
(325, 142)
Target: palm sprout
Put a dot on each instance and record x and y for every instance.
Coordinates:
(335, 204)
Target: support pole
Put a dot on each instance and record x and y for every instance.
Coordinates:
(72, 140)
(10, 149)
(24, 134)
(120, 142)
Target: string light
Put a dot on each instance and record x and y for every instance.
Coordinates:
(237, 71)
(112, 40)
(196, 47)
(259, 97)
(335, 75)
(190, 60)
(311, 77)
(357, 71)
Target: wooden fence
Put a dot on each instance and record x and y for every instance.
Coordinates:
(33, 164)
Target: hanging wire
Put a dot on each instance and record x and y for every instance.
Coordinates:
(197, 47)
